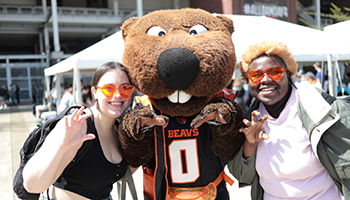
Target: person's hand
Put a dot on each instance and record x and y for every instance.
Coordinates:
(254, 132)
(74, 126)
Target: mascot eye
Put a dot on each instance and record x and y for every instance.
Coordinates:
(156, 31)
(198, 29)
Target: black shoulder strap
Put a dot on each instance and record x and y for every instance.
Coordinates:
(253, 106)
(51, 123)
(330, 99)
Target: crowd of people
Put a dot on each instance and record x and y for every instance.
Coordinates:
(277, 157)
(67, 99)
(9, 96)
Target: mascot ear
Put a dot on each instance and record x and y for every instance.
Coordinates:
(227, 22)
(127, 26)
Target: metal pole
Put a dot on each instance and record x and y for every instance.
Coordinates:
(318, 14)
(48, 89)
(176, 4)
(43, 2)
(139, 8)
(8, 73)
(58, 90)
(340, 82)
(46, 36)
(331, 76)
(30, 85)
(56, 40)
(41, 45)
(116, 7)
(47, 45)
(77, 86)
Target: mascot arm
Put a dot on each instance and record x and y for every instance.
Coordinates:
(136, 135)
(225, 118)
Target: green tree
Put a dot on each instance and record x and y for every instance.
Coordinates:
(337, 14)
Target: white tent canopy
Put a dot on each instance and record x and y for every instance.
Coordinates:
(86, 62)
(306, 44)
(108, 49)
(338, 49)
(338, 39)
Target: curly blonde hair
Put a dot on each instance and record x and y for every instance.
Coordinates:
(269, 48)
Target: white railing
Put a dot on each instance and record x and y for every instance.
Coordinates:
(62, 11)
(21, 10)
(75, 11)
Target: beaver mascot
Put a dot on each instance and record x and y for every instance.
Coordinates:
(186, 126)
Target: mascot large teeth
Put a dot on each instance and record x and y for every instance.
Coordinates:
(185, 128)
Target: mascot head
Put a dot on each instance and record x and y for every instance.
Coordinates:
(179, 58)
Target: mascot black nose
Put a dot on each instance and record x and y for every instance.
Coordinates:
(178, 67)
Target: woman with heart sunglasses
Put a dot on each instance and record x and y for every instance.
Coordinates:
(93, 175)
(278, 158)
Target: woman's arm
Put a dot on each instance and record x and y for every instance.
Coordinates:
(242, 167)
(56, 153)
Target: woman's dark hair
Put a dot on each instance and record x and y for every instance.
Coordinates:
(108, 66)
(100, 71)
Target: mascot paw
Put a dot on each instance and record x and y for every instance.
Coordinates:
(139, 121)
(214, 114)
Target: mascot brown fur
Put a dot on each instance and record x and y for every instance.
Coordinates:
(184, 130)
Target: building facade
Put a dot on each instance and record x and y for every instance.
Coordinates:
(295, 11)
(35, 34)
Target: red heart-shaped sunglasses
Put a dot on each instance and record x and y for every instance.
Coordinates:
(109, 90)
(274, 73)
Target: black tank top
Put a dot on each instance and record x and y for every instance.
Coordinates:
(93, 175)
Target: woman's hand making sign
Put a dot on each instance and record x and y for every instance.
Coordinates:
(254, 132)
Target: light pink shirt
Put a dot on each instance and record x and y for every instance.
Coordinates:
(286, 164)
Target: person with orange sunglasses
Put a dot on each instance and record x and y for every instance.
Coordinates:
(284, 155)
(93, 175)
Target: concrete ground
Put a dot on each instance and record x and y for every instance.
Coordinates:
(16, 122)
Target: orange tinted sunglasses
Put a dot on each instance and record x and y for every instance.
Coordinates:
(275, 73)
(109, 90)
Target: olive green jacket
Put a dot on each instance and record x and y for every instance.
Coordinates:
(327, 122)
